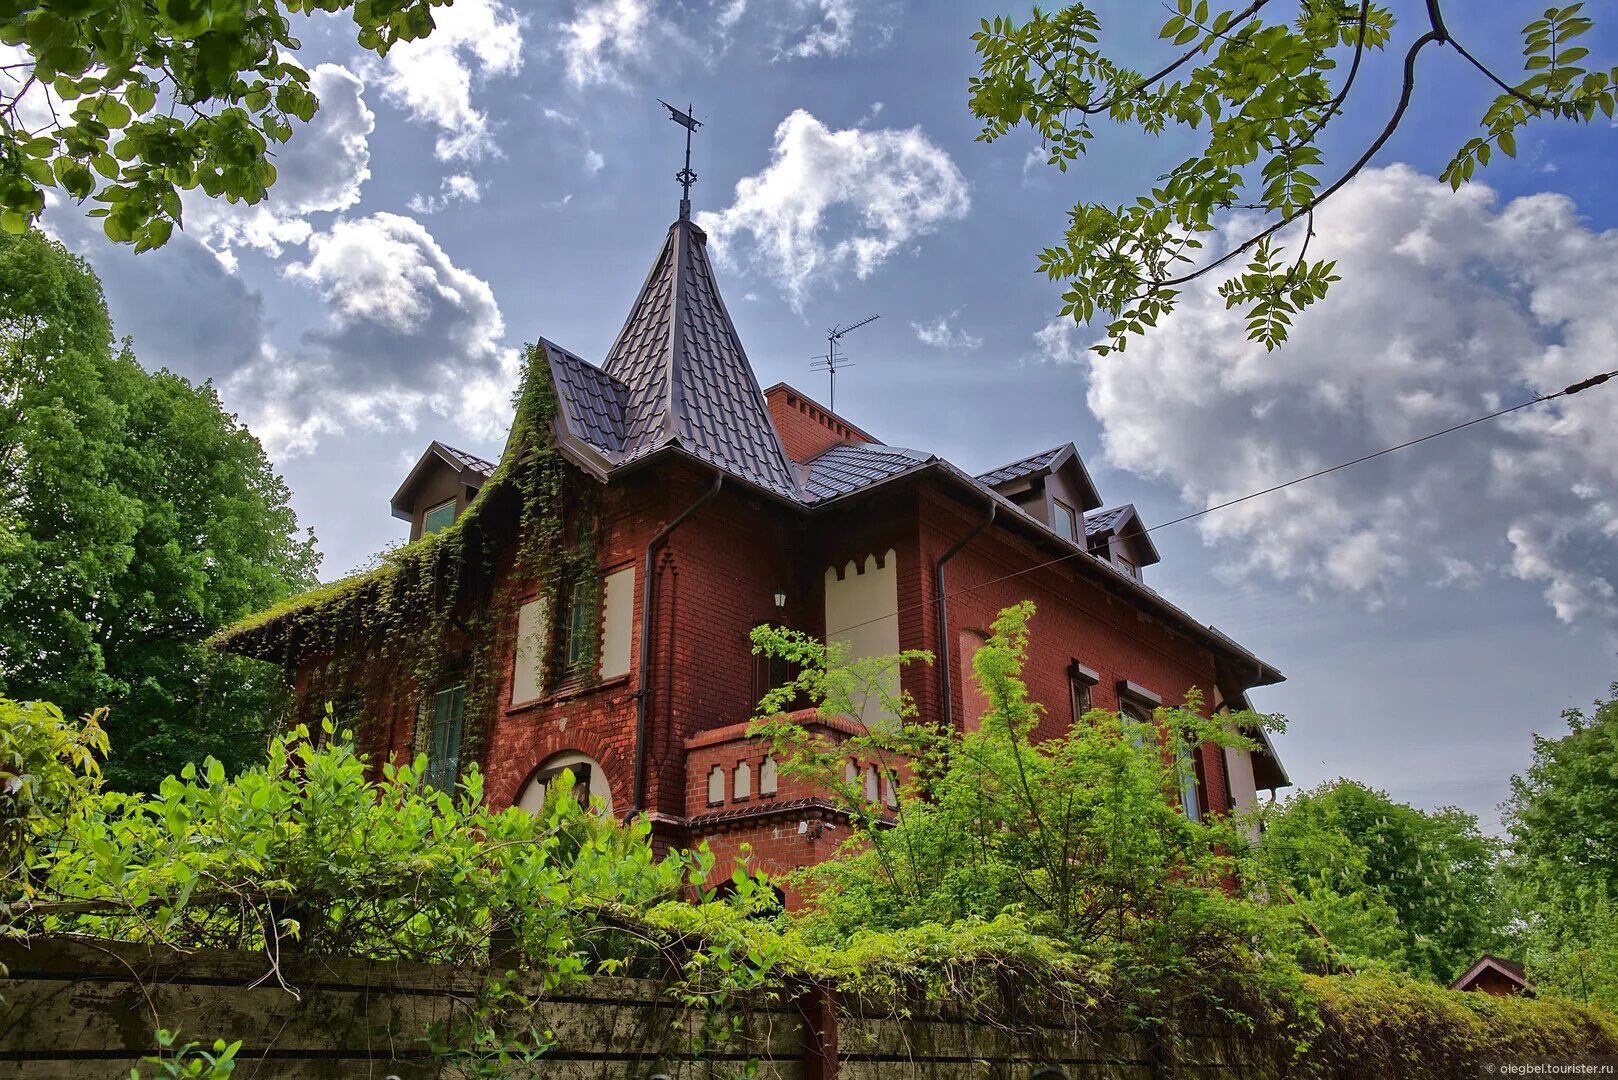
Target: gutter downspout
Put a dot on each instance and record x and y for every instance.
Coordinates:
(642, 688)
(943, 608)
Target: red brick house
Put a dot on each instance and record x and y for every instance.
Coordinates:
(709, 506)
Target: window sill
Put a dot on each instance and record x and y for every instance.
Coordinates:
(567, 691)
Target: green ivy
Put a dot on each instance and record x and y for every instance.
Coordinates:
(386, 629)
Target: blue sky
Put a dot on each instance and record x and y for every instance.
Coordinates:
(513, 178)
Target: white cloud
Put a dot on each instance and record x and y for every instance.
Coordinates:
(432, 79)
(406, 332)
(321, 169)
(1449, 307)
(602, 38)
(32, 104)
(833, 201)
(452, 189)
(940, 334)
(830, 31)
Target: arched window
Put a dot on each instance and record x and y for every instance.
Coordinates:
(716, 785)
(742, 781)
(590, 785)
(766, 777)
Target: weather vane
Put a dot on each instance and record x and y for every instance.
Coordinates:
(685, 176)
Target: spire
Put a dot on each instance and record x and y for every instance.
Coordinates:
(685, 176)
(685, 376)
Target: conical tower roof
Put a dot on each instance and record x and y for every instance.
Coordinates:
(677, 376)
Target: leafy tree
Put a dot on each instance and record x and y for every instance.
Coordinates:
(1260, 85)
(1078, 835)
(136, 518)
(1378, 883)
(131, 103)
(1563, 860)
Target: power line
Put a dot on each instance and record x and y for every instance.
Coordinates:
(1566, 391)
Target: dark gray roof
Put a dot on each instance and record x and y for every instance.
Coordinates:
(677, 376)
(1032, 465)
(592, 401)
(470, 461)
(1106, 521)
(843, 470)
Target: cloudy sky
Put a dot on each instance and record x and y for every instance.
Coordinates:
(510, 177)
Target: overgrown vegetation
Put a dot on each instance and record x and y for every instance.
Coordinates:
(1012, 879)
(442, 609)
(1562, 869)
(1383, 885)
(137, 517)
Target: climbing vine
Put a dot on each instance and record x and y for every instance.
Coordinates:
(444, 606)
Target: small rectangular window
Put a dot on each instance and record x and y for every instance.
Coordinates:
(1128, 567)
(439, 517)
(1080, 679)
(1081, 697)
(1067, 520)
(581, 625)
(444, 741)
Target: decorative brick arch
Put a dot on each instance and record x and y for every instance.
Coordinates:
(616, 762)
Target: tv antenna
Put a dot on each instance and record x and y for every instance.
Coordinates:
(833, 361)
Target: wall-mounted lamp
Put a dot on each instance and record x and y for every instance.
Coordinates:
(780, 601)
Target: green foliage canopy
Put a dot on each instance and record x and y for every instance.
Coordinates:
(146, 100)
(1563, 861)
(136, 518)
(1261, 85)
(1380, 883)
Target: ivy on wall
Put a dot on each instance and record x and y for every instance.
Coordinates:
(445, 606)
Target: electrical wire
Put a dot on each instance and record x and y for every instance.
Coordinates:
(1566, 391)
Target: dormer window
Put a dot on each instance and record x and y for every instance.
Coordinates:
(1126, 566)
(439, 517)
(1066, 520)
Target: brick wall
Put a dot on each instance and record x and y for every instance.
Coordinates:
(807, 429)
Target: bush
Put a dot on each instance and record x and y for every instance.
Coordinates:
(1394, 1025)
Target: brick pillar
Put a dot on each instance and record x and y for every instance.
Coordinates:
(818, 1006)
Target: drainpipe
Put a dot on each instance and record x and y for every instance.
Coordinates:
(642, 689)
(943, 608)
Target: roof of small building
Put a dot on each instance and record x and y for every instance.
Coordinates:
(1511, 969)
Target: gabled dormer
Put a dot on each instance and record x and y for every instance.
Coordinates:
(1051, 486)
(1117, 536)
(439, 489)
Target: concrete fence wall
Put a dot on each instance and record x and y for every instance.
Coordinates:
(74, 1009)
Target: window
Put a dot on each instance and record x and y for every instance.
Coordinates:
(1190, 796)
(742, 781)
(1067, 520)
(581, 626)
(1127, 567)
(1079, 681)
(444, 739)
(766, 777)
(439, 517)
(590, 785)
(716, 785)
(769, 673)
(581, 780)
